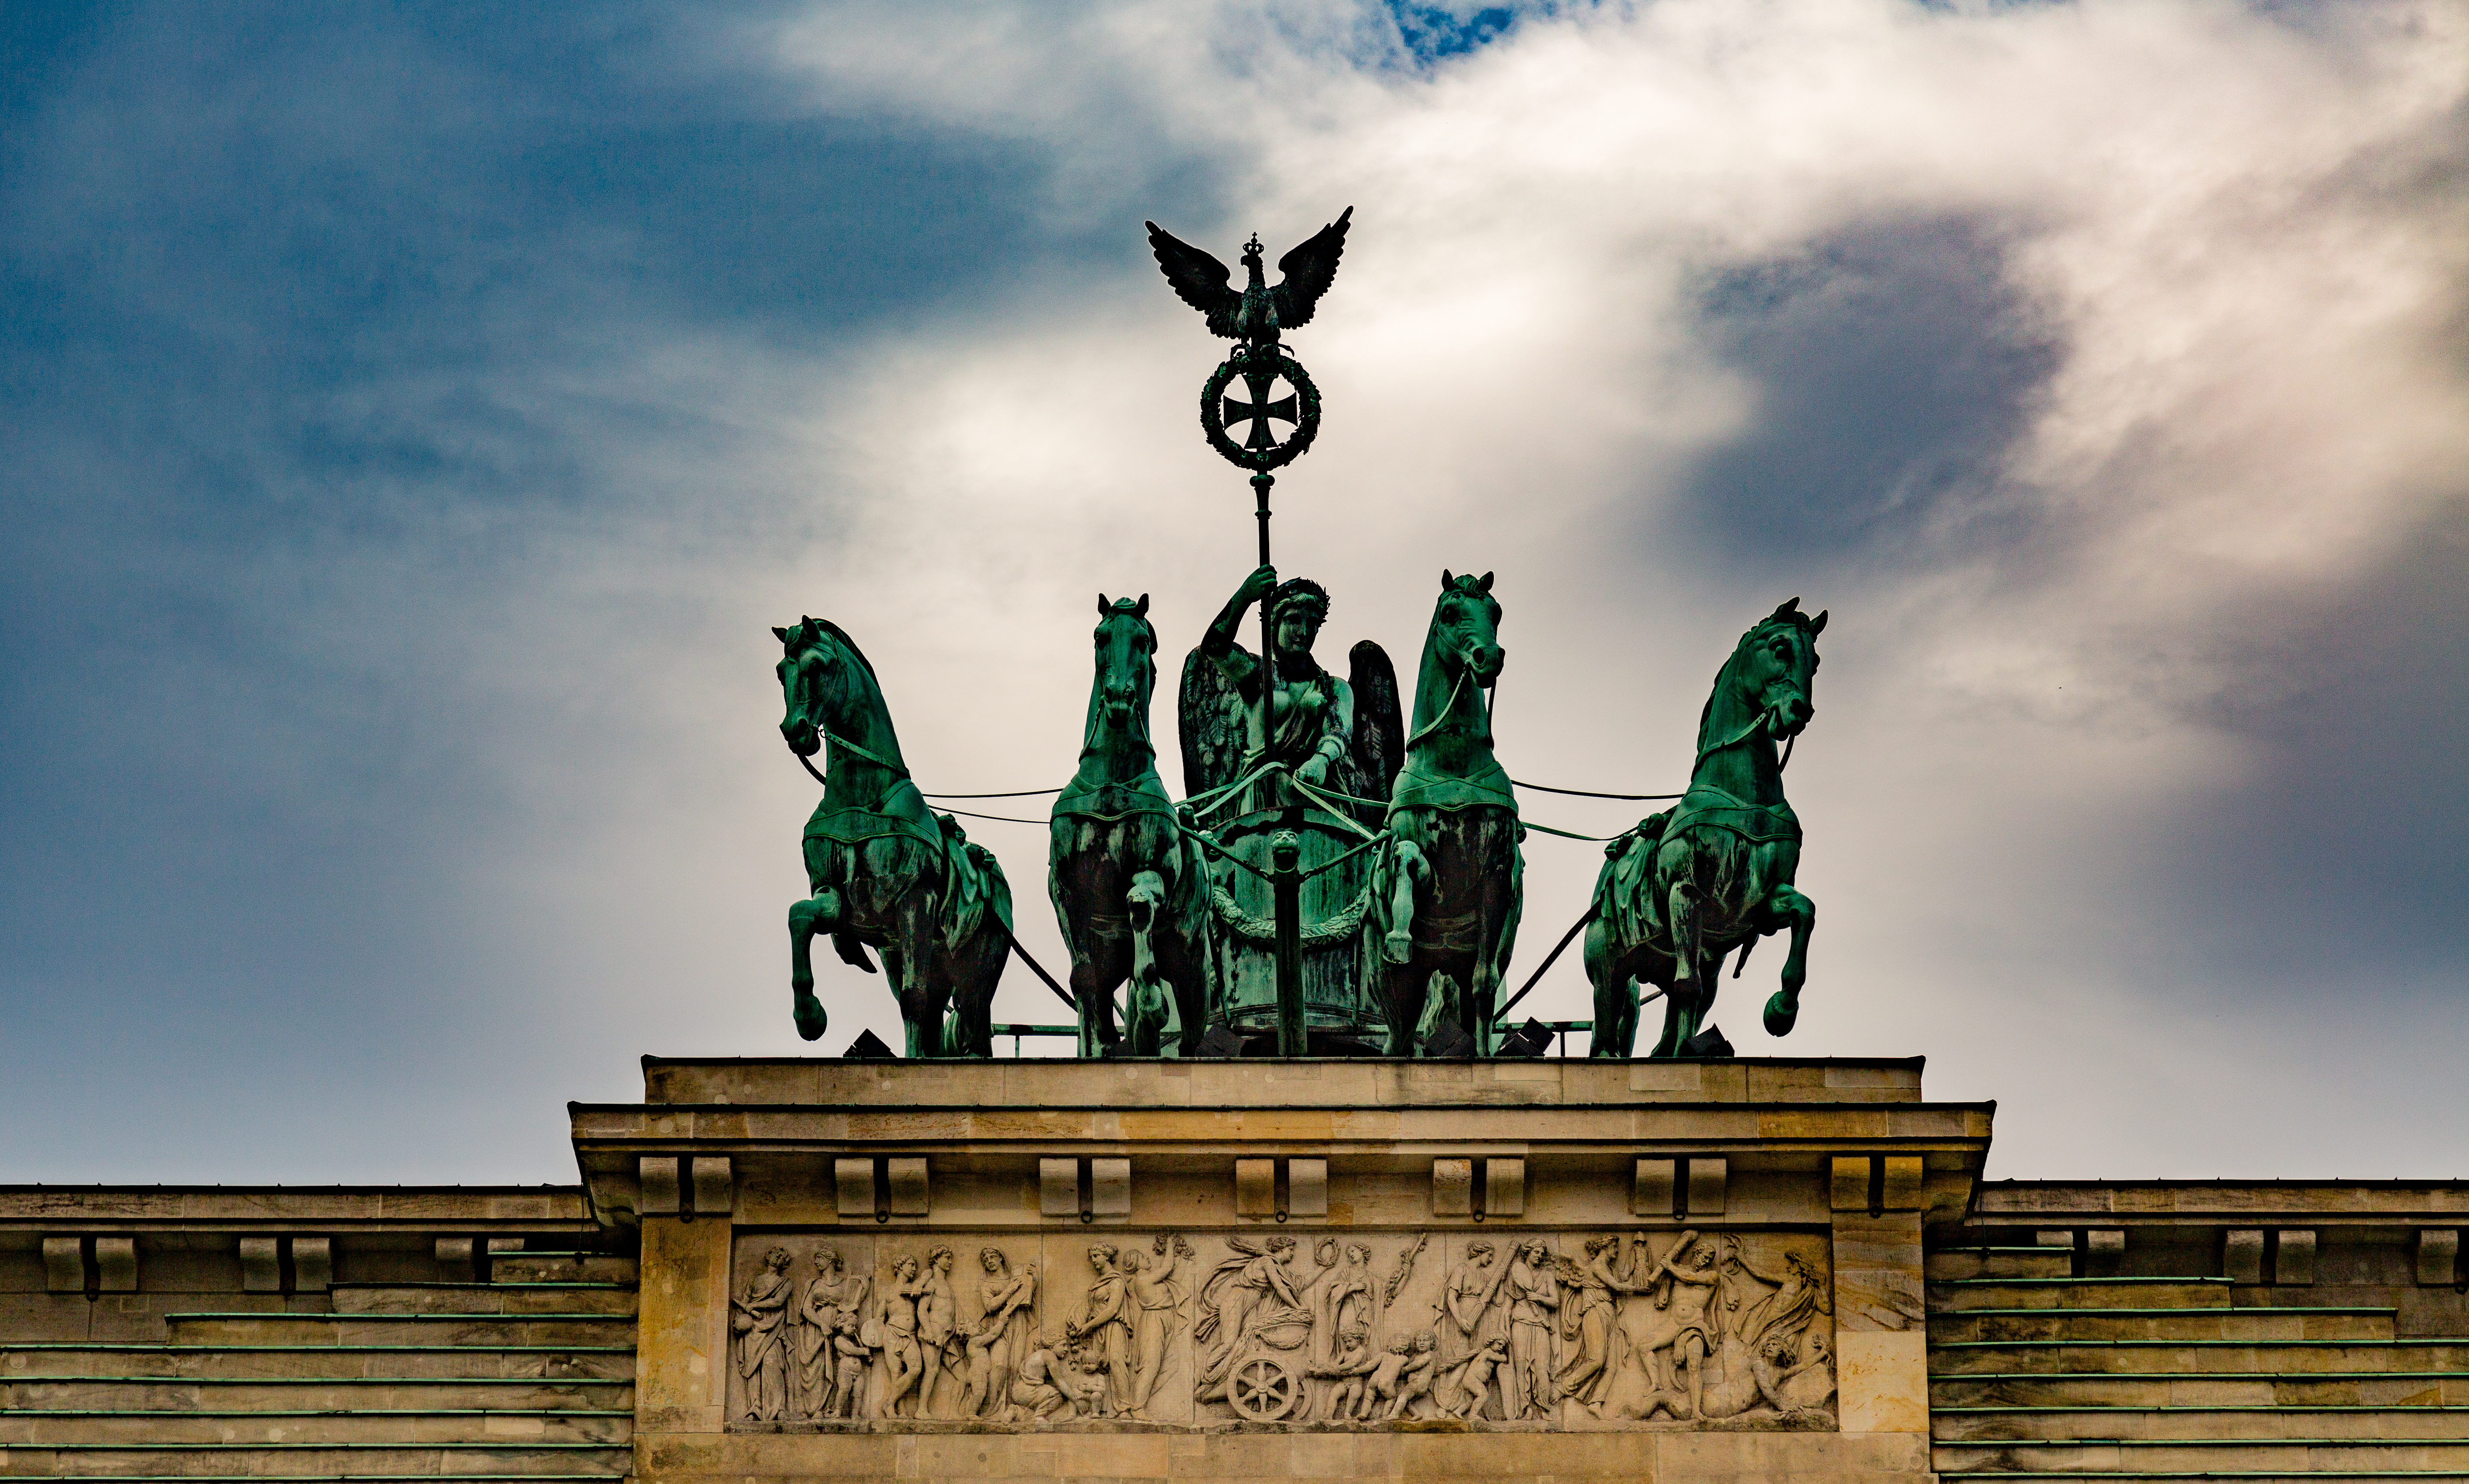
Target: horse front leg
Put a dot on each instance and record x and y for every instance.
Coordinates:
(817, 914)
(1615, 1033)
(1097, 967)
(1495, 929)
(910, 960)
(973, 974)
(1405, 991)
(1185, 938)
(1687, 999)
(1407, 871)
(1062, 843)
(1784, 1008)
(1667, 1044)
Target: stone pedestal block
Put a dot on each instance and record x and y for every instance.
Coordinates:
(1591, 1270)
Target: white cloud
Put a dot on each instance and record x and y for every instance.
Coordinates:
(2237, 233)
(2225, 222)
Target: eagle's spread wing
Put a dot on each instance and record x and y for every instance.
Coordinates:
(1308, 271)
(1199, 280)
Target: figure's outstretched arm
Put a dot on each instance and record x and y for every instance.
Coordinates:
(1740, 1260)
(1218, 643)
(1174, 1251)
(1283, 1286)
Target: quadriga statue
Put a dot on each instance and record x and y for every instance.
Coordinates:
(1714, 873)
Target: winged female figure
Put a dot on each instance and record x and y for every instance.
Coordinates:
(1343, 739)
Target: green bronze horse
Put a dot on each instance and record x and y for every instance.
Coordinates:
(1715, 871)
(1450, 883)
(1129, 887)
(886, 872)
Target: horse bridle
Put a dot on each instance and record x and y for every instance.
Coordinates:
(825, 734)
(842, 742)
(1754, 727)
(1451, 704)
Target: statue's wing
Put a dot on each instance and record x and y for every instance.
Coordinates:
(1214, 736)
(1380, 726)
(1198, 278)
(1309, 271)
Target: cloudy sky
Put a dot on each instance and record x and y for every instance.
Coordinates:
(415, 421)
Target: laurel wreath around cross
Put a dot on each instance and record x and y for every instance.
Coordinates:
(1261, 368)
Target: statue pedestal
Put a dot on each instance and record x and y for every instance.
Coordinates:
(1259, 1268)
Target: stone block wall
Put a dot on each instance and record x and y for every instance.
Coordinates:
(2168, 1329)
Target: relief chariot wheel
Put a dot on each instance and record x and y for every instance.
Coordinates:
(1262, 369)
(1263, 1389)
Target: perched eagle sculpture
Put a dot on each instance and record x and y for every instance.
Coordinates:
(1257, 313)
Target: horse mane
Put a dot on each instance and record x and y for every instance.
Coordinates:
(879, 704)
(1426, 679)
(848, 644)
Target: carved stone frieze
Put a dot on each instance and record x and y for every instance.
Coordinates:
(1554, 1329)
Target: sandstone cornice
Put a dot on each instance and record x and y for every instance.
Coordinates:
(336, 1208)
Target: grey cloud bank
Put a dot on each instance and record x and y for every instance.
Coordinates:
(417, 426)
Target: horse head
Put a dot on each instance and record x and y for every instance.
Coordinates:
(818, 682)
(1774, 668)
(1465, 628)
(1127, 664)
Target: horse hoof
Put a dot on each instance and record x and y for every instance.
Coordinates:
(810, 1017)
(1398, 947)
(1781, 1013)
